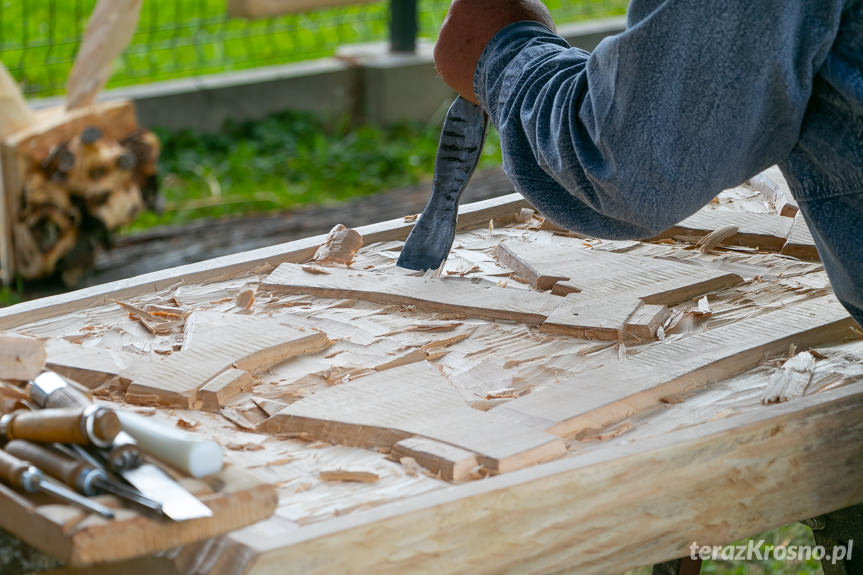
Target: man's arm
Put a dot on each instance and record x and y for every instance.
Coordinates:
(693, 98)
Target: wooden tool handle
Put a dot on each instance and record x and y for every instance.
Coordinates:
(51, 390)
(11, 469)
(67, 397)
(55, 464)
(67, 425)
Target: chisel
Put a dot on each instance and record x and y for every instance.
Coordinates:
(90, 425)
(78, 474)
(177, 503)
(25, 477)
(459, 150)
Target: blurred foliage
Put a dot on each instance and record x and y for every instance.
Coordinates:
(288, 160)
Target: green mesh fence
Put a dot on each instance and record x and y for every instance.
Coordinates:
(183, 38)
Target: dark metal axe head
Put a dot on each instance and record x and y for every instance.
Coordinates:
(459, 150)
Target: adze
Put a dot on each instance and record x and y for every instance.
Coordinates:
(459, 150)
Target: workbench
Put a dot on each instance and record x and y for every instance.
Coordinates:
(466, 423)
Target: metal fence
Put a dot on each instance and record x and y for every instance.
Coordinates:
(182, 38)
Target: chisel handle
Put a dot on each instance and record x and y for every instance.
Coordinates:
(50, 390)
(75, 473)
(19, 474)
(190, 454)
(93, 424)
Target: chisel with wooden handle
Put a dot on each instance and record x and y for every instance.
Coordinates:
(461, 141)
(27, 478)
(93, 424)
(51, 390)
(177, 503)
(80, 475)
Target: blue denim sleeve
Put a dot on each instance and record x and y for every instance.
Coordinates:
(694, 97)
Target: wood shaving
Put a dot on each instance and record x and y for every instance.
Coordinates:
(348, 475)
(245, 299)
(186, 424)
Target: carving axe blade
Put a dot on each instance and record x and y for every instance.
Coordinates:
(459, 150)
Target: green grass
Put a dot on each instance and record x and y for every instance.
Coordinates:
(180, 38)
(288, 160)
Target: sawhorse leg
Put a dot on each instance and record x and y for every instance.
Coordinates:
(841, 528)
(682, 566)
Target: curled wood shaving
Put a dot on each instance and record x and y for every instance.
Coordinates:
(525, 215)
(340, 247)
(348, 475)
(245, 299)
(712, 240)
(185, 424)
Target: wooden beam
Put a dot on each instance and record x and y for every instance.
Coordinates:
(395, 288)
(109, 30)
(602, 512)
(502, 210)
(598, 398)
(267, 8)
(381, 409)
(450, 463)
(15, 115)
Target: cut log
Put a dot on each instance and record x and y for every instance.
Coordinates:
(109, 31)
(604, 396)
(451, 463)
(21, 357)
(382, 409)
(438, 295)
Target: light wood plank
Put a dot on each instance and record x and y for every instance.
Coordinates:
(15, 115)
(395, 288)
(109, 31)
(598, 398)
(21, 357)
(217, 392)
(451, 463)
(766, 232)
(502, 210)
(236, 498)
(381, 409)
(778, 465)
(567, 267)
(217, 342)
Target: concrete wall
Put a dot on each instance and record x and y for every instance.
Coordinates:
(364, 81)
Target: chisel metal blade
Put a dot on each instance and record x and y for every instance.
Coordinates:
(177, 503)
(459, 150)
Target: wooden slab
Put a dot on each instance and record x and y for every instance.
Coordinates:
(21, 357)
(92, 367)
(394, 288)
(603, 396)
(217, 342)
(451, 463)
(767, 232)
(567, 267)
(381, 409)
(608, 295)
(77, 538)
(800, 243)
